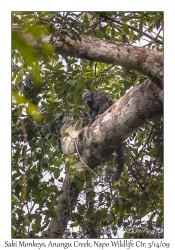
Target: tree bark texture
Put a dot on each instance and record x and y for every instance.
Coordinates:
(147, 61)
(66, 203)
(101, 138)
(118, 122)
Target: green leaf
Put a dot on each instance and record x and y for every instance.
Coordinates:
(56, 172)
(159, 220)
(51, 87)
(91, 194)
(22, 46)
(34, 183)
(79, 185)
(99, 215)
(142, 209)
(49, 119)
(58, 66)
(101, 196)
(89, 189)
(57, 115)
(125, 28)
(80, 83)
(81, 209)
(30, 176)
(82, 177)
(75, 224)
(17, 190)
(65, 134)
(67, 168)
(89, 213)
(123, 192)
(52, 213)
(14, 176)
(59, 192)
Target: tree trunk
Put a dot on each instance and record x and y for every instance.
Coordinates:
(99, 140)
(118, 122)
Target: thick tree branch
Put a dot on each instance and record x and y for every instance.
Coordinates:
(109, 130)
(146, 61)
(120, 121)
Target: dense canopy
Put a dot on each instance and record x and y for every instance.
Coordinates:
(64, 188)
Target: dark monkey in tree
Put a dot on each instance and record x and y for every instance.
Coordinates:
(97, 104)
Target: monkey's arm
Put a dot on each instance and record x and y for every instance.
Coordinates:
(92, 112)
(91, 116)
(103, 105)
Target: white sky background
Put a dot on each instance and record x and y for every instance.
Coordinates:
(5, 97)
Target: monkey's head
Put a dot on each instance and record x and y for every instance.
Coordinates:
(87, 97)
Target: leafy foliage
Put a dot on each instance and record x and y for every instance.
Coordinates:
(46, 87)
